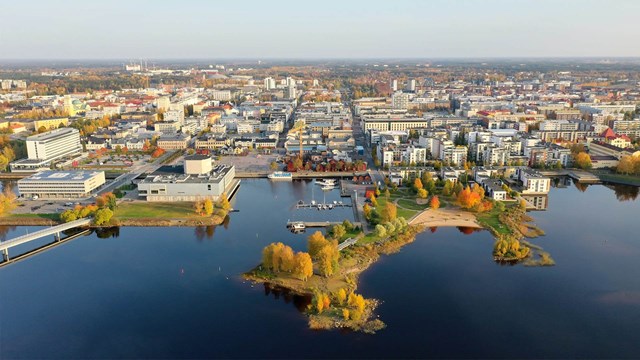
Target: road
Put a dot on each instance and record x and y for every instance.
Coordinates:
(358, 133)
(134, 173)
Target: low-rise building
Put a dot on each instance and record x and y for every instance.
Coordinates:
(70, 184)
(190, 187)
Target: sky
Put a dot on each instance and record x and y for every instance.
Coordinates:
(255, 29)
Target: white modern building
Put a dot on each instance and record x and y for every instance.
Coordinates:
(533, 182)
(199, 180)
(44, 148)
(51, 184)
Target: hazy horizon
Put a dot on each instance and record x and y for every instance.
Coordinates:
(285, 30)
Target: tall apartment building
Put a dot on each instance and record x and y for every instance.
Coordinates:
(269, 83)
(400, 100)
(44, 148)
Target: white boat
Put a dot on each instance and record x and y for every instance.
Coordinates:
(326, 182)
(328, 187)
(297, 226)
(280, 175)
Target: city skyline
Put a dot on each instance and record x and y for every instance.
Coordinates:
(332, 30)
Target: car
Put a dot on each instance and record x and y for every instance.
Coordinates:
(68, 204)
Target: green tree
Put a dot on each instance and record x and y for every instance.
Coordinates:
(380, 231)
(102, 216)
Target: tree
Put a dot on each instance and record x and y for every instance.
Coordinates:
(315, 242)
(207, 207)
(367, 211)
(468, 199)
(341, 296)
(417, 184)
(348, 226)
(102, 216)
(4, 162)
(380, 231)
(328, 258)
(338, 231)
(434, 203)
(273, 165)
(267, 256)
(68, 215)
(198, 207)
(422, 193)
(389, 212)
(448, 188)
(303, 268)
(223, 202)
(356, 301)
(583, 160)
(345, 314)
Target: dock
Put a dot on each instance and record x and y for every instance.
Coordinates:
(325, 206)
(319, 224)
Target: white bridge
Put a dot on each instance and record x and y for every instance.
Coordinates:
(54, 230)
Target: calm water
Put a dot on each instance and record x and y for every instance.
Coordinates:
(176, 292)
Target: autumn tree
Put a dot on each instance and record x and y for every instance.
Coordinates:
(468, 199)
(338, 231)
(434, 203)
(315, 242)
(417, 184)
(207, 207)
(389, 212)
(328, 257)
(583, 160)
(422, 193)
(303, 266)
(380, 231)
(341, 296)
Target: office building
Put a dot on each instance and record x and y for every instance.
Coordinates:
(51, 184)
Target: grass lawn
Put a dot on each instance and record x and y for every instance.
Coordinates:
(411, 204)
(53, 216)
(139, 210)
(490, 219)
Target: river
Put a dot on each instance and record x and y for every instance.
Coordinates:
(176, 292)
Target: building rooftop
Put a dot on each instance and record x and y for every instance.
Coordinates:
(57, 176)
(53, 134)
(216, 175)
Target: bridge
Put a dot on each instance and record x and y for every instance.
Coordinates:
(54, 230)
(345, 244)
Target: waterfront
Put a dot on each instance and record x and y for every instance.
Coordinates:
(176, 292)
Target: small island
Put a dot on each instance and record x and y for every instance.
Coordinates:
(329, 270)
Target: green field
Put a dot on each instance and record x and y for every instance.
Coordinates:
(490, 219)
(412, 205)
(54, 216)
(140, 210)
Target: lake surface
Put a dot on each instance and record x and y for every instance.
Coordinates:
(176, 292)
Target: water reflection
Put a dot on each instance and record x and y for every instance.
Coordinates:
(300, 302)
(467, 230)
(624, 192)
(538, 202)
(204, 232)
(109, 232)
(4, 230)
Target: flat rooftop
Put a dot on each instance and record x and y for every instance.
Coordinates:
(57, 176)
(52, 134)
(216, 175)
